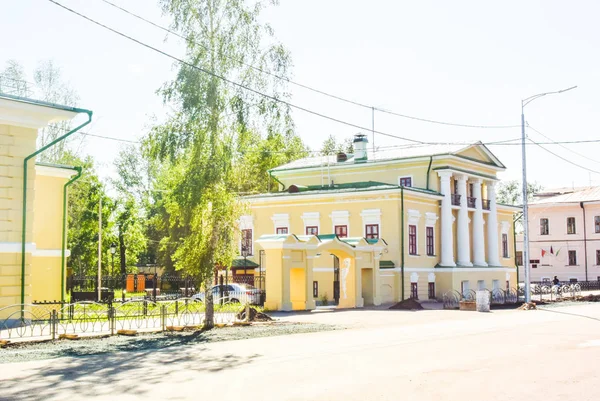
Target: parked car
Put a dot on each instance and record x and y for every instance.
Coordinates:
(234, 293)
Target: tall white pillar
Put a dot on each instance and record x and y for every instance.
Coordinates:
(447, 257)
(478, 238)
(492, 227)
(462, 228)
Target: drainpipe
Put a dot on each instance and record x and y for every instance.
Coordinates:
(402, 238)
(584, 242)
(64, 233)
(429, 170)
(515, 246)
(275, 178)
(24, 226)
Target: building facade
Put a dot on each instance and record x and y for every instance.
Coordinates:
(38, 272)
(564, 235)
(433, 207)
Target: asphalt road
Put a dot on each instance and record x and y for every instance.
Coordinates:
(387, 355)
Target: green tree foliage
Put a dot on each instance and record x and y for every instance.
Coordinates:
(510, 192)
(332, 146)
(200, 139)
(83, 212)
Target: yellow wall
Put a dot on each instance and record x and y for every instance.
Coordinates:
(15, 144)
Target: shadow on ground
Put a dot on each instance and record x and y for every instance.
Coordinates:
(128, 369)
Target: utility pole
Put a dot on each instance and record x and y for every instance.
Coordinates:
(100, 248)
(526, 266)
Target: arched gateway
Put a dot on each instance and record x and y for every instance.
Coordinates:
(290, 264)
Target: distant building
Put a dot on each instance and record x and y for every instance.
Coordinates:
(564, 235)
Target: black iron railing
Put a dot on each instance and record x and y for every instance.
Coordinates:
(471, 202)
(486, 204)
(455, 199)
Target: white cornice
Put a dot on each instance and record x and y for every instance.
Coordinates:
(58, 172)
(22, 114)
(50, 253)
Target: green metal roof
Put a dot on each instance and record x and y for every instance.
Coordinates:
(386, 264)
(44, 104)
(243, 263)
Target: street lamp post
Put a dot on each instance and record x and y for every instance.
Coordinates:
(526, 266)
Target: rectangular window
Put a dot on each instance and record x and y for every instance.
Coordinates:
(429, 236)
(598, 258)
(247, 241)
(597, 224)
(412, 240)
(570, 225)
(471, 189)
(372, 231)
(505, 245)
(572, 258)
(414, 291)
(519, 258)
(544, 229)
(341, 231)
(431, 291)
(282, 230)
(315, 289)
(312, 230)
(405, 181)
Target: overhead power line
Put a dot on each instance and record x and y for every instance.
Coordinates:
(304, 86)
(562, 146)
(273, 98)
(565, 159)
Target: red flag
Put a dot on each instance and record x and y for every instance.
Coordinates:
(543, 253)
(551, 251)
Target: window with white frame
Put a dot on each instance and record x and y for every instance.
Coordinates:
(371, 219)
(597, 224)
(405, 181)
(571, 225)
(312, 223)
(430, 221)
(340, 220)
(544, 227)
(412, 239)
(572, 258)
(281, 223)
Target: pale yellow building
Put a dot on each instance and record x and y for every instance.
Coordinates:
(30, 264)
(415, 221)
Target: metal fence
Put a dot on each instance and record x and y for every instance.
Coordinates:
(51, 320)
(451, 299)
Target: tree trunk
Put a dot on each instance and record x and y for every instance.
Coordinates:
(122, 252)
(209, 313)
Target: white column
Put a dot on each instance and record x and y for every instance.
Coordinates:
(478, 238)
(462, 228)
(447, 258)
(492, 227)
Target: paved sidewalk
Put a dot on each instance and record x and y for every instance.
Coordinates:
(388, 355)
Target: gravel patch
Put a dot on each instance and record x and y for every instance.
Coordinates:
(23, 352)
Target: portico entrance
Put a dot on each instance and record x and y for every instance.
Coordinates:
(290, 270)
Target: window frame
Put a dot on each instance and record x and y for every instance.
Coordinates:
(311, 228)
(414, 291)
(278, 229)
(371, 235)
(315, 289)
(431, 290)
(519, 258)
(574, 231)
(430, 240)
(597, 257)
(345, 234)
(574, 253)
(412, 240)
(505, 248)
(404, 178)
(597, 224)
(546, 226)
(247, 241)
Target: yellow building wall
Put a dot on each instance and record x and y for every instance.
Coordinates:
(46, 280)
(15, 144)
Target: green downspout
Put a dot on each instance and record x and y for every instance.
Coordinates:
(31, 156)
(64, 234)
(515, 246)
(402, 238)
(275, 178)
(429, 170)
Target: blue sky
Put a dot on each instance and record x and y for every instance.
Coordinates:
(462, 61)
